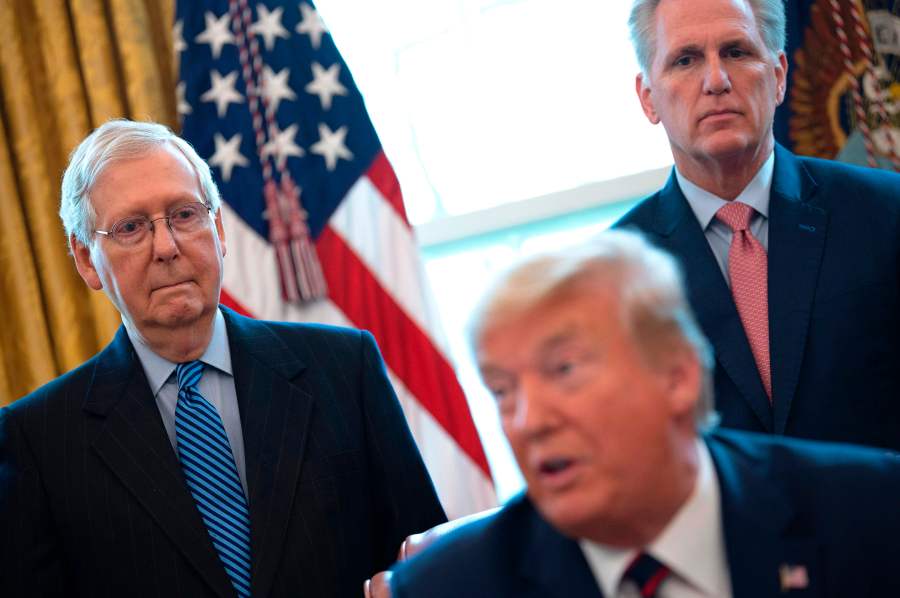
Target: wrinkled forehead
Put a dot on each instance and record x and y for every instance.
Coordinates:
(516, 337)
(159, 177)
(683, 23)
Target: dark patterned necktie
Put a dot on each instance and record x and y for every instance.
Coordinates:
(211, 475)
(647, 573)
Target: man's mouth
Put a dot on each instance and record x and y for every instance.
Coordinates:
(170, 285)
(714, 114)
(557, 472)
(551, 466)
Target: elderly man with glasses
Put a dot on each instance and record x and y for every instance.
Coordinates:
(201, 453)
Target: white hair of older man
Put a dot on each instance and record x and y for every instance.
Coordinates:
(646, 281)
(117, 140)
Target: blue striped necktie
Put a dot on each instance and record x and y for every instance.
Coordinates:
(208, 464)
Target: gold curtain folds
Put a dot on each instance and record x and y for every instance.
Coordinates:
(66, 66)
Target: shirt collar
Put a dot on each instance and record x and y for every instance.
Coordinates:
(159, 369)
(692, 545)
(755, 194)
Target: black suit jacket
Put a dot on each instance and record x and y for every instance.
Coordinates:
(829, 508)
(93, 501)
(834, 302)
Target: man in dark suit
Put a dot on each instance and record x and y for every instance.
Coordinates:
(602, 378)
(802, 306)
(201, 453)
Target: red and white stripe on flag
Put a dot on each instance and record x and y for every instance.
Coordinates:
(376, 282)
(312, 206)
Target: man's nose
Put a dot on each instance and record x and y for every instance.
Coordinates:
(534, 414)
(165, 247)
(715, 77)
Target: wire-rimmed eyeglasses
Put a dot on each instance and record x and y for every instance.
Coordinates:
(130, 231)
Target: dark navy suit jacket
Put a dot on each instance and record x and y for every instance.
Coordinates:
(829, 508)
(93, 501)
(834, 302)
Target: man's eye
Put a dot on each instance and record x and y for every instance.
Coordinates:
(684, 61)
(565, 367)
(562, 368)
(183, 214)
(498, 392)
(129, 227)
(735, 53)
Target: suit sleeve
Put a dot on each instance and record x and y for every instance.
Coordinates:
(404, 501)
(30, 563)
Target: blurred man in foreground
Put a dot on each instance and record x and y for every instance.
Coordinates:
(792, 265)
(201, 453)
(602, 379)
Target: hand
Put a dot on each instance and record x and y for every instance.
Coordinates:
(378, 586)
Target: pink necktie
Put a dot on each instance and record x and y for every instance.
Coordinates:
(747, 268)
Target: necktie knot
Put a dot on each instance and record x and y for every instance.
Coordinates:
(735, 215)
(647, 573)
(189, 374)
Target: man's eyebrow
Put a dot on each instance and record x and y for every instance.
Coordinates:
(685, 49)
(559, 339)
(735, 41)
(488, 369)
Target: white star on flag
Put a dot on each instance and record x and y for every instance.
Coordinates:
(275, 87)
(268, 25)
(181, 104)
(178, 38)
(331, 145)
(356, 232)
(282, 145)
(325, 83)
(216, 34)
(222, 91)
(227, 155)
(311, 25)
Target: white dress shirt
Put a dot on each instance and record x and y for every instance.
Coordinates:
(692, 546)
(705, 205)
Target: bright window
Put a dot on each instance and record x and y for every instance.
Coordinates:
(504, 120)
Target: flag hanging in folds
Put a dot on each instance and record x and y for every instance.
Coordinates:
(843, 92)
(314, 219)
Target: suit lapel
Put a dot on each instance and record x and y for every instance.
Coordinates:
(796, 241)
(554, 565)
(709, 296)
(768, 553)
(133, 443)
(275, 415)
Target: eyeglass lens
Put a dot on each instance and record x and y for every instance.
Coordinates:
(182, 219)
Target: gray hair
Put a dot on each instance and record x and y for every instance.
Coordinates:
(770, 21)
(646, 280)
(116, 140)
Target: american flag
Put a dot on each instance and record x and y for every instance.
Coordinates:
(312, 208)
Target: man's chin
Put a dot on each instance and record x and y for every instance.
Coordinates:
(570, 515)
(727, 145)
(179, 314)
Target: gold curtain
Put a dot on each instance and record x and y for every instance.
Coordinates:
(66, 66)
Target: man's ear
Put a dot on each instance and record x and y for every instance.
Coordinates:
(85, 264)
(684, 378)
(781, 69)
(220, 230)
(643, 93)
